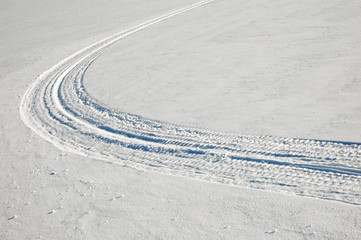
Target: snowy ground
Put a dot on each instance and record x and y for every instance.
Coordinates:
(284, 68)
(190, 70)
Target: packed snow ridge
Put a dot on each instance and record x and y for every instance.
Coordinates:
(58, 108)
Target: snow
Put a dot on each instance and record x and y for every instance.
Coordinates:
(284, 68)
(48, 192)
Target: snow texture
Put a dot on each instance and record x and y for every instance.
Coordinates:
(146, 185)
(58, 108)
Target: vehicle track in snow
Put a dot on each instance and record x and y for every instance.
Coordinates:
(58, 108)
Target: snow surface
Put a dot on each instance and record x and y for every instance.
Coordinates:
(284, 68)
(54, 194)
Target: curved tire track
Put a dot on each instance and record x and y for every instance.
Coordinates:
(58, 108)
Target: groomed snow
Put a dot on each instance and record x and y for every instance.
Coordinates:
(53, 194)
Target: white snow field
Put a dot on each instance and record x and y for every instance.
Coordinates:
(247, 120)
